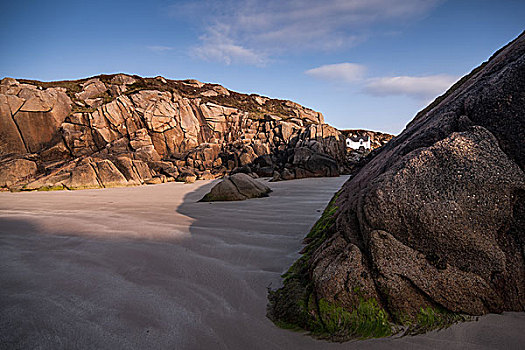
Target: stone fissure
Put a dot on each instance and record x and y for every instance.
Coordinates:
(101, 184)
(238, 189)
(65, 144)
(135, 170)
(19, 131)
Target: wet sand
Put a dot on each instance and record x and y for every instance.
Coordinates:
(150, 268)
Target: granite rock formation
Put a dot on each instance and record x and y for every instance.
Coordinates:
(377, 139)
(237, 187)
(122, 130)
(432, 227)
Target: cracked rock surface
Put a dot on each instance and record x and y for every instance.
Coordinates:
(237, 187)
(122, 130)
(437, 218)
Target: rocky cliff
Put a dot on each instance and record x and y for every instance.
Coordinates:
(120, 130)
(432, 228)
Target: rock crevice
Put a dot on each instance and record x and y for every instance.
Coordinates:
(66, 124)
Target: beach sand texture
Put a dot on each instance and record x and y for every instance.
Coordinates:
(151, 268)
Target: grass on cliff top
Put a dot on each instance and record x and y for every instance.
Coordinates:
(243, 102)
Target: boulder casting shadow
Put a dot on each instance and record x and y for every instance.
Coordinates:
(237, 187)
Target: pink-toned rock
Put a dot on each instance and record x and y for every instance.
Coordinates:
(123, 79)
(11, 141)
(53, 181)
(16, 171)
(79, 139)
(91, 88)
(55, 153)
(109, 175)
(210, 93)
(143, 146)
(83, 177)
(193, 82)
(206, 175)
(40, 117)
(189, 123)
(201, 126)
(9, 86)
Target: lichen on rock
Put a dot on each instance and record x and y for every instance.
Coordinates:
(430, 228)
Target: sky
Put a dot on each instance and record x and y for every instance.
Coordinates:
(369, 64)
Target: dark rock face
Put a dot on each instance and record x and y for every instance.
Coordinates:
(436, 220)
(126, 130)
(237, 187)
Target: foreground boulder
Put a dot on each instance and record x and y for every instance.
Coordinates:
(237, 187)
(432, 229)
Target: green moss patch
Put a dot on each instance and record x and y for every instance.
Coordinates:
(52, 188)
(295, 306)
(366, 320)
(429, 319)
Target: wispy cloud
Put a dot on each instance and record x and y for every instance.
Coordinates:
(259, 30)
(159, 48)
(423, 87)
(218, 46)
(340, 72)
(418, 87)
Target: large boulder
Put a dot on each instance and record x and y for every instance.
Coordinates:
(40, 117)
(432, 228)
(83, 176)
(237, 187)
(109, 175)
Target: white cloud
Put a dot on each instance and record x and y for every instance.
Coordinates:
(424, 87)
(159, 48)
(258, 30)
(218, 46)
(340, 72)
(418, 87)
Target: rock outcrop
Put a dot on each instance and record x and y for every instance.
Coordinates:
(237, 187)
(430, 229)
(377, 139)
(122, 130)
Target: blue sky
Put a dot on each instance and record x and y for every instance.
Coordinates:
(363, 63)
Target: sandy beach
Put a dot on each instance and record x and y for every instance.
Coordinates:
(151, 268)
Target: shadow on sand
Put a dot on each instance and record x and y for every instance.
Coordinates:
(205, 290)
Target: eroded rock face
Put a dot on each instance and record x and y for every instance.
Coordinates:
(16, 171)
(237, 187)
(436, 220)
(168, 130)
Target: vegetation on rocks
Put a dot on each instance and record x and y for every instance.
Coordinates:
(429, 226)
(295, 306)
(429, 319)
